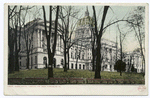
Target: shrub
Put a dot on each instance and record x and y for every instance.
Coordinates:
(120, 65)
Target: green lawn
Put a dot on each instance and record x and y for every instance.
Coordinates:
(42, 73)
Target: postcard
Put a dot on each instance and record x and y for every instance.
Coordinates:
(76, 49)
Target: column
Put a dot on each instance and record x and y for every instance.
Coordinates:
(38, 38)
(41, 38)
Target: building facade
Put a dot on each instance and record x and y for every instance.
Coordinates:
(134, 59)
(80, 53)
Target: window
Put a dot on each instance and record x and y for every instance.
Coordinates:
(83, 66)
(83, 56)
(105, 66)
(76, 66)
(110, 50)
(79, 66)
(35, 59)
(75, 56)
(110, 66)
(72, 65)
(71, 55)
(62, 62)
(44, 60)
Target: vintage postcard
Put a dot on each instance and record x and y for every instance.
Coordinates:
(76, 49)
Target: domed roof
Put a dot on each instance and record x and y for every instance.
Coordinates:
(86, 20)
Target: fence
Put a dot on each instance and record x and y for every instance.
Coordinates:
(44, 81)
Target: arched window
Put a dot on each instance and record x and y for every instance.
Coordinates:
(71, 65)
(83, 56)
(71, 55)
(79, 66)
(44, 60)
(83, 67)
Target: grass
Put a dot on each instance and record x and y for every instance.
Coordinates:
(59, 73)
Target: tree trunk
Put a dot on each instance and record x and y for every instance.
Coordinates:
(16, 51)
(98, 59)
(68, 58)
(93, 62)
(98, 42)
(11, 54)
(50, 67)
(120, 52)
(11, 62)
(142, 57)
(16, 62)
(93, 53)
(50, 53)
(28, 60)
(120, 73)
(65, 58)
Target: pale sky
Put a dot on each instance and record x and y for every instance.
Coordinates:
(114, 12)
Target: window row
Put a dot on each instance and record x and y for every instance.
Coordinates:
(76, 67)
(77, 56)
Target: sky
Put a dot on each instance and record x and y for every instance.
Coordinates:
(130, 42)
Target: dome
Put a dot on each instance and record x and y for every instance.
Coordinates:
(86, 20)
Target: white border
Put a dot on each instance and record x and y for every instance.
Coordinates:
(75, 89)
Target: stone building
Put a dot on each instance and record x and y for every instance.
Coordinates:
(80, 53)
(134, 59)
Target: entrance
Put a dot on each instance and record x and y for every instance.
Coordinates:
(45, 61)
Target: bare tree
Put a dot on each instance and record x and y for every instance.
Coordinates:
(137, 21)
(121, 37)
(98, 41)
(14, 34)
(17, 40)
(11, 40)
(28, 30)
(67, 15)
(51, 51)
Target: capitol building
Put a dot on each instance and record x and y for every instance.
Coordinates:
(80, 54)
